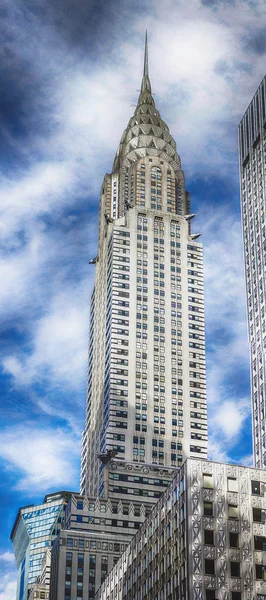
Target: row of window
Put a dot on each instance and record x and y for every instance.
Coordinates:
(257, 487)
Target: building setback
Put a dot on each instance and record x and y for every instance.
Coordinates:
(205, 539)
(146, 397)
(252, 154)
(97, 530)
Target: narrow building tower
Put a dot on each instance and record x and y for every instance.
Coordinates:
(146, 382)
(252, 155)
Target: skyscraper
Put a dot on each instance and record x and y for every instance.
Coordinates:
(146, 398)
(252, 153)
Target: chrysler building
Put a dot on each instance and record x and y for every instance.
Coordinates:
(146, 396)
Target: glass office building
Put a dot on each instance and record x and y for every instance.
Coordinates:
(34, 530)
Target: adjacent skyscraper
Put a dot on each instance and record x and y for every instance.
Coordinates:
(146, 384)
(252, 150)
(33, 533)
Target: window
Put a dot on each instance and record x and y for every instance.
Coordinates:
(235, 569)
(210, 595)
(259, 543)
(208, 509)
(79, 505)
(207, 481)
(233, 540)
(258, 515)
(208, 537)
(233, 511)
(236, 596)
(256, 488)
(232, 484)
(209, 567)
(259, 571)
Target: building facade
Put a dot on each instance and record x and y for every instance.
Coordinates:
(205, 539)
(41, 589)
(35, 529)
(146, 397)
(136, 482)
(96, 531)
(252, 152)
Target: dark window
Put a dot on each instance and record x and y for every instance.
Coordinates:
(210, 595)
(235, 569)
(259, 571)
(236, 596)
(233, 540)
(258, 515)
(255, 488)
(208, 509)
(259, 543)
(79, 505)
(209, 567)
(208, 537)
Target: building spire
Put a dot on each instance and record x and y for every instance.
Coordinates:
(145, 84)
(146, 59)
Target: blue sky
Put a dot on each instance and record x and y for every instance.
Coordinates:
(70, 70)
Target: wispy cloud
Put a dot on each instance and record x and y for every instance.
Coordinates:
(8, 584)
(7, 557)
(227, 342)
(59, 344)
(228, 419)
(41, 459)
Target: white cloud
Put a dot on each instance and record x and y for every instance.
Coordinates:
(42, 459)
(226, 328)
(8, 557)
(229, 417)
(8, 585)
(247, 461)
(217, 452)
(225, 296)
(221, 452)
(59, 343)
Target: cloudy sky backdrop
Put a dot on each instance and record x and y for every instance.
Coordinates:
(69, 73)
